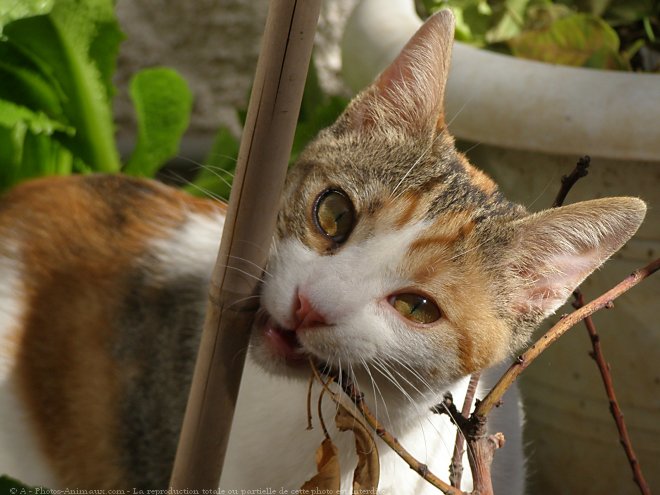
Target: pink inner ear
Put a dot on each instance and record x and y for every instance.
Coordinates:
(409, 93)
(553, 280)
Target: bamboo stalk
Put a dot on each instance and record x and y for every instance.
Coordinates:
(261, 169)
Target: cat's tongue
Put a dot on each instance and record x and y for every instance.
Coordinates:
(283, 342)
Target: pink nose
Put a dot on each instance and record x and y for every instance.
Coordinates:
(305, 316)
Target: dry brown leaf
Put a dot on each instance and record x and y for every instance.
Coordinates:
(327, 464)
(367, 472)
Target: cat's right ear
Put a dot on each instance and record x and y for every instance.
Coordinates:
(553, 251)
(409, 93)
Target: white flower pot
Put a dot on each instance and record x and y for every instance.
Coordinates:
(526, 123)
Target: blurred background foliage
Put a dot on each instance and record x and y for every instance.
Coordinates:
(602, 34)
(57, 61)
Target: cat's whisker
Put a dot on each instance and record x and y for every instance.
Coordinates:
(376, 388)
(208, 193)
(216, 171)
(389, 369)
(382, 367)
(423, 155)
(247, 274)
(417, 375)
(473, 248)
(263, 250)
(460, 110)
(550, 181)
(251, 263)
(243, 299)
(224, 157)
(198, 166)
(408, 382)
(475, 145)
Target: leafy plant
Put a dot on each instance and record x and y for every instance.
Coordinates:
(605, 34)
(57, 58)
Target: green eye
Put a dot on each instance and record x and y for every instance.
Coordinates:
(334, 215)
(415, 307)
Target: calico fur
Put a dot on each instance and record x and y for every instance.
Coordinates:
(105, 282)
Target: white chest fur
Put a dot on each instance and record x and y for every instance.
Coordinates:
(270, 447)
(20, 455)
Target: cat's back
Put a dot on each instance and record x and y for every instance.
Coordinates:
(102, 288)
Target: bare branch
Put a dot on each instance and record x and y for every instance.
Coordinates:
(568, 181)
(456, 466)
(567, 322)
(605, 373)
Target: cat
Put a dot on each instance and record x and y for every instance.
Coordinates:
(394, 260)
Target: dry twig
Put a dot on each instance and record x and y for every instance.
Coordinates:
(606, 375)
(351, 390)
(567, 183)
(456, 466)
(562, 326)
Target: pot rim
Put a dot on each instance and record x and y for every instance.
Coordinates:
(510, 102)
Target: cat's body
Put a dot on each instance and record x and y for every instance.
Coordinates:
(104, 399)
(394, 261)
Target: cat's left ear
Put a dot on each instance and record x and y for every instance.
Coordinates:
(553, 251)
(409, 93)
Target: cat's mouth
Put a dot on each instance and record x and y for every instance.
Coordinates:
(282, 342)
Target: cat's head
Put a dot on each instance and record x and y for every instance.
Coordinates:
(393, 252)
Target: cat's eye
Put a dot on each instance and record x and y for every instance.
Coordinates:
(416, 307)
(334, 215)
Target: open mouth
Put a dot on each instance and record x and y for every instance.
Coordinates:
(282, 341)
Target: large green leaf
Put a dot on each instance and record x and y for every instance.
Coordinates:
(11, 10)
(60, 39)
(580, 40)
(162, 104)
(26, 86)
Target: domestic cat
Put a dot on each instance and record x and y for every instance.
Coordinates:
(394, 260)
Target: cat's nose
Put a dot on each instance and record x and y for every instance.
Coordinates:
(305, 316)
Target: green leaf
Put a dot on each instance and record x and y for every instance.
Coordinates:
(580, 40)
(28, 147)
(11, 10)
(60, 43)
(510, 21)
(162, 103)
(473, 20)
(26, 86)
(12, 115)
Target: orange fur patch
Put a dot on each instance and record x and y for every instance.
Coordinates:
(406, 208)
(480, 180)
(80, 237)
(443, 263)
